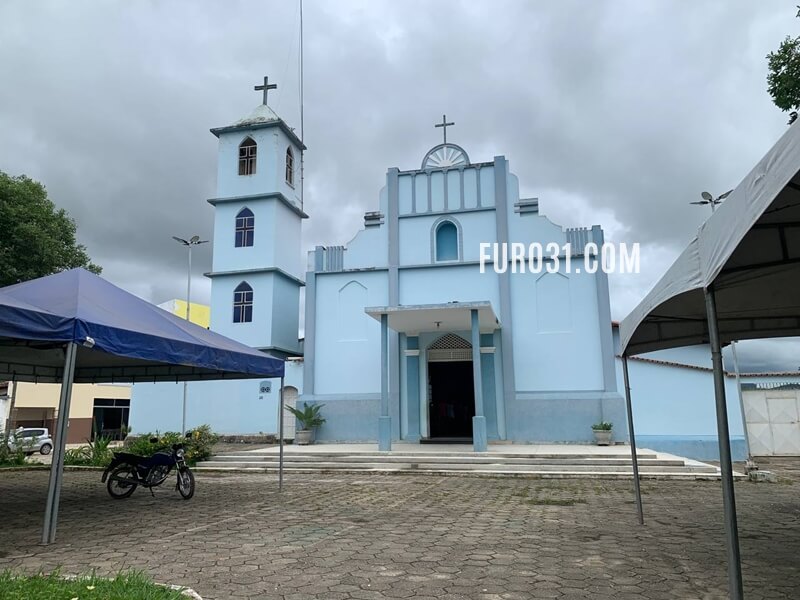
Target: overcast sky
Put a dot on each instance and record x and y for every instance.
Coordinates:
(612, 113)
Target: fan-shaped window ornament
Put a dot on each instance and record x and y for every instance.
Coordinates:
(445, 156)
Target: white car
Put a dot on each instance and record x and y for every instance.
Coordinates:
(33, 439)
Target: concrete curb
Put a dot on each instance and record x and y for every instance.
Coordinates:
(44, 467)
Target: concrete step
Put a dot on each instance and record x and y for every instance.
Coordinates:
(430, 458)
(610, 463)
(292, 451)
(575, 466)
(455, 464)
(679, 475)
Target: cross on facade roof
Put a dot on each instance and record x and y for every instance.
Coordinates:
(444, 125)
(266, 87)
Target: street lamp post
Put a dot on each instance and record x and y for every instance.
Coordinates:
(709, 199)
(193, 241)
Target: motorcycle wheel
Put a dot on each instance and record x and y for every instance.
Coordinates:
(118, 487)
(186, 483)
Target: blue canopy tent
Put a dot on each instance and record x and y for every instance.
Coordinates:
(75, 327)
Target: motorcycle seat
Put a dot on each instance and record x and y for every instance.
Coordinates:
(133, 459)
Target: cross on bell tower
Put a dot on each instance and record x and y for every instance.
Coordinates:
(266, 87)
(444, 125)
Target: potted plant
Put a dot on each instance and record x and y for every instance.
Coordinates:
(310, 419)
(602, 433)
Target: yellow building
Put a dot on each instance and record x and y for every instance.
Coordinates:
(200, 314)
(104, 407)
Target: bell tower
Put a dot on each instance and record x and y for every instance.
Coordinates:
(256, 272)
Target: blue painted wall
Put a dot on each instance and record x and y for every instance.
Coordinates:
(674, 406)
(230, 407)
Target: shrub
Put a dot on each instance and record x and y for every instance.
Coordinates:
(9, 457)
(96, 454)
(602, 426)
(309, 416)
(197, 446)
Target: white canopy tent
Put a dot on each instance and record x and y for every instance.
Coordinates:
(739, 278)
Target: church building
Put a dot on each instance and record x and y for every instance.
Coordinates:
(403, 328)
(406, 336)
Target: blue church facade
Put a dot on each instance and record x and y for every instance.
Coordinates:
(545, 363)
(406, 337)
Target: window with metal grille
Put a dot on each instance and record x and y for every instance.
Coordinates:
(245, 228)
(247, 156)
(289, 166)
(243, 303)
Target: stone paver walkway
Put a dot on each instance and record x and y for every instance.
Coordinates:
(377, 537)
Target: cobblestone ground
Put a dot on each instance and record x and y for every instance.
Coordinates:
(419, 537)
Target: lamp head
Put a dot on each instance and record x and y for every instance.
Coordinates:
(707, 197)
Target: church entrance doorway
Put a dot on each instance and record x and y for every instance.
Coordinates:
(451, 394)
(452, 401)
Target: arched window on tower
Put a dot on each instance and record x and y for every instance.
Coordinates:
(245, 228)
(243, 303)
(290, 166)
(446, 243)
(247, 156)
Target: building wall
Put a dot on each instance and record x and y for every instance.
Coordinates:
(200, 314)
(673, 402)
(230, 407)
(270, 165)
(276, 237)
(39, 402)
(256, 333)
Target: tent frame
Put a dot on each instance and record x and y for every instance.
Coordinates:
(60, 443)
(735, 587)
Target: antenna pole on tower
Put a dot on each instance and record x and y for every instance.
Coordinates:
(302, 136)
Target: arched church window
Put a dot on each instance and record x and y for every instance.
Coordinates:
(289, 166)
(245, 228)
(247, 156)
(243, 303)
(446, 241)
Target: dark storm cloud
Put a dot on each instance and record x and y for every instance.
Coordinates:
(612, 113)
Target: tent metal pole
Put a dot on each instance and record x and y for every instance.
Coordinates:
(741, 401)
(280, 439)
(57, 466)
(735, 590)
(634, 457)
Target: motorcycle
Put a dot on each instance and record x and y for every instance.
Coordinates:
(129, 471)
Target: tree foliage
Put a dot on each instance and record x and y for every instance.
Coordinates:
(37, 239)
(783, 78)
